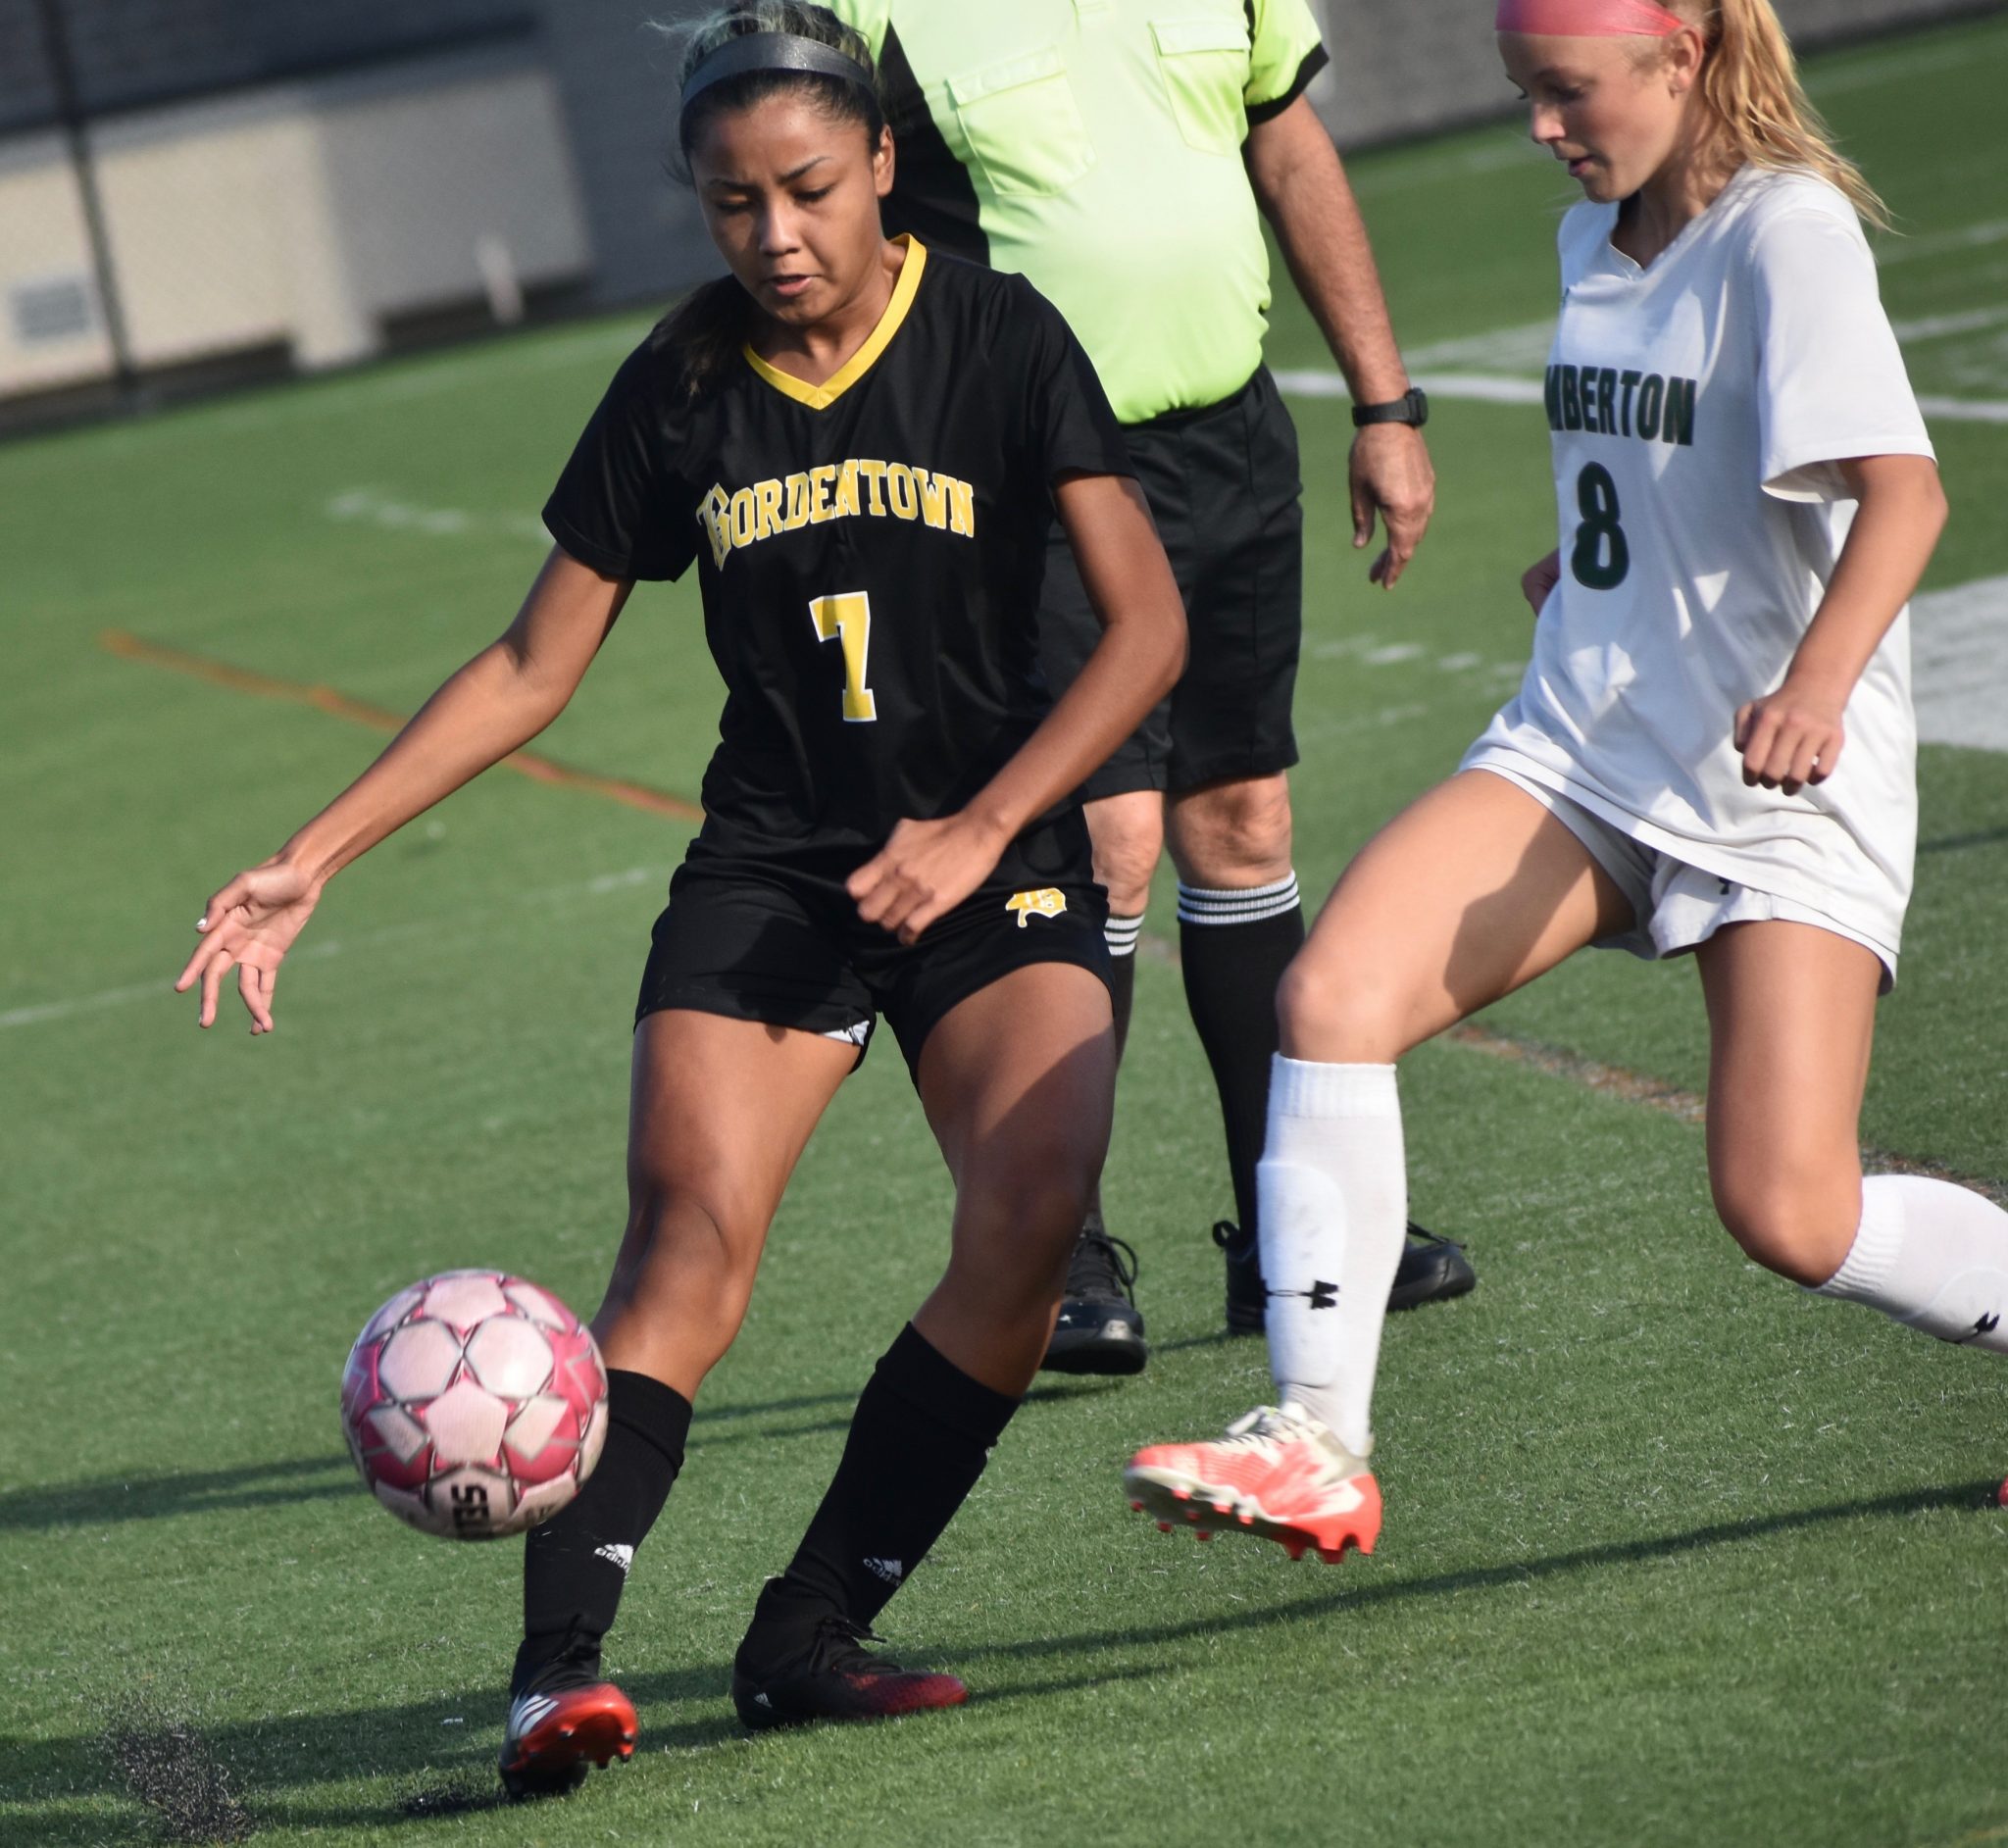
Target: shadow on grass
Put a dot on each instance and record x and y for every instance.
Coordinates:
(461, 1792)
(708, 1414)
(190, 1493)
(1971, 1496)
(407, 1742)
(702, 1440)
(1218, 1337)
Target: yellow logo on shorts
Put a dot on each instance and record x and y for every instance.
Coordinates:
(1048, 903)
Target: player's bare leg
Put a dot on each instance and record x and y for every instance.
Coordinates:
(1791, 1016)
(1022, 1121)
(1470, 893)
(719, 1113)
(1021, 1115)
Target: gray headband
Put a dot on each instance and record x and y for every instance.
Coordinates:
(775, 51)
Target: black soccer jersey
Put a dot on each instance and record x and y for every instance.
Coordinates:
(870, 551)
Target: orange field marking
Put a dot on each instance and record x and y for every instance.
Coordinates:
(543, 769)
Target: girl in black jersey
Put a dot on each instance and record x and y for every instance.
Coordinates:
(861, 445)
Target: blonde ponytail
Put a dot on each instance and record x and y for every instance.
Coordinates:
(1750, 84)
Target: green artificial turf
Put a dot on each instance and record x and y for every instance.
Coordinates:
(1673, 1553)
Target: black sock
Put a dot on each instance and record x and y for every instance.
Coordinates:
(918, 1440)
(575, 1566)
(1236, 947)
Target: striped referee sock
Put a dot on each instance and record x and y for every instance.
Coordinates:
(1236, 946)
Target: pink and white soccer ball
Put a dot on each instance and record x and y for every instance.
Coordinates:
(475, 1404)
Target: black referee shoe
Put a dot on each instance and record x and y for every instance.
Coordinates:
(1432, 1270)
(1100, 1329)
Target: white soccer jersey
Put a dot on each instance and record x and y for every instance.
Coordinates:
(1698, 408)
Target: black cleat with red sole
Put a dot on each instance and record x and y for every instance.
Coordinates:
(554, 1735)
(789, 1677)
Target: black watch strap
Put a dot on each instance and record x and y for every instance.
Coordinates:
(1413, 409)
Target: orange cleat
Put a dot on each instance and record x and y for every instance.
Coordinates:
(551, 1738)
(1276, 1475)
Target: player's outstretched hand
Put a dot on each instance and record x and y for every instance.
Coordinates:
(1789, 738)
(926, 868)
(1391, 477)
(249, 925)
(1539, 579)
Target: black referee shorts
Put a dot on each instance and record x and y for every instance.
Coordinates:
(768, 939)
(1224, 486)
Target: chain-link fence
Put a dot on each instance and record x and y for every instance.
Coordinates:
(194, 190)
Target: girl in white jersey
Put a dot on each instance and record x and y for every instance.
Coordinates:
(1713, 749)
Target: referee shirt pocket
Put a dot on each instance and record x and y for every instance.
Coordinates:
(1022, 126)
(1204, 64)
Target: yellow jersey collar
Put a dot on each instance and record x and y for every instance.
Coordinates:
(820, 397)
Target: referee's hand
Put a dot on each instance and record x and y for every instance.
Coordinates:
(1392, 478)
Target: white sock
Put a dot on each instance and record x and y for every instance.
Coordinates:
(1333, 1191)
(1932, 1256)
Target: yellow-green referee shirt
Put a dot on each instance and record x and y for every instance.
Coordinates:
(1095, 146)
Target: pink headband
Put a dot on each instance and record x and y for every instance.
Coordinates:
(1587, 19)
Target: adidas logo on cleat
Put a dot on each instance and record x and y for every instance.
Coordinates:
(530, 1710)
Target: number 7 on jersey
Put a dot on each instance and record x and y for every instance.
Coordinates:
(848, 619)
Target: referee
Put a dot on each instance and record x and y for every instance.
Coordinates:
(1122, 155)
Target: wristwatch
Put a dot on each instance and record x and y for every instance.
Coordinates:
(1413, 409)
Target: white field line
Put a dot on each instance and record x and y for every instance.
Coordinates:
(162, 988)
(1940, 243)
(1944, 327)
(1867, 73)
(1474, 386)
(372, 507)
(1959, 665)
(1965, 410)
(1521, 348)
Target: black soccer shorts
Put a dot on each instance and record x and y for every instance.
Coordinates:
(1224, 485)
(757, 938)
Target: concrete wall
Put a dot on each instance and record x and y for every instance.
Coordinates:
(300, 216)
